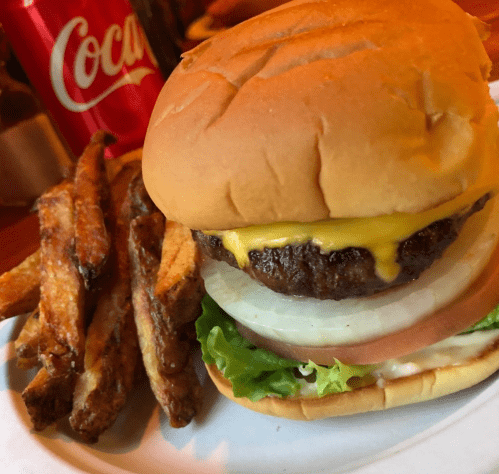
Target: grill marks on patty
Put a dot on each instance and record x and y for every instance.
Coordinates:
(304, 270)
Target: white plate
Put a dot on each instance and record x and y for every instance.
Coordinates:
(454, 434)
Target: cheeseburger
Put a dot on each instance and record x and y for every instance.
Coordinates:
(337, 164)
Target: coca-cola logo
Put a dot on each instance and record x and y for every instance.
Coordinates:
(91, 57)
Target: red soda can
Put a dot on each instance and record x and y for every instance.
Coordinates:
(91, 65)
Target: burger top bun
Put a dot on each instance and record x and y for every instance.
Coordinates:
(321, 109)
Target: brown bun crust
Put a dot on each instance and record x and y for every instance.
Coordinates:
(398, 392)
(322, 109)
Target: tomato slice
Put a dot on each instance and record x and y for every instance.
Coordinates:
(481, 297)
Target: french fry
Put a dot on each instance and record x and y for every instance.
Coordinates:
(180, 394)
(48, 398)
(61, 345)
(109, 365)
(111, 349)
(92, 241)
(145, 244)
(167, 355)
(179, 285)
(61, 287)
(20, 288)
(119, 187)
(144, 303)
(141, 203)
(26, 344)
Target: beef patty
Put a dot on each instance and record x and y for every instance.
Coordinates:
(304, 270)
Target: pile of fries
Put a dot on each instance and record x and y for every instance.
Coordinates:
(112, 290)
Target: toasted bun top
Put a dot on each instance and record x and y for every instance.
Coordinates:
(322, 109)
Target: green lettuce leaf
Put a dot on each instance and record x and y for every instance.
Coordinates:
(491, 321)
(335, 379)
(256, 373)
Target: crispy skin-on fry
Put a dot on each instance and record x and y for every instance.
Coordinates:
(20, 288)
(110, 361)
(26, 344)
(141, 203)
(145, 240)
(179, 285)
(111, 349)
(61, 286)
(120, 185)
(167, 355)
(49, 395)
(48, 398)
(92, 241)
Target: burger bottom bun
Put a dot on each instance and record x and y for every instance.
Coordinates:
(416, 388)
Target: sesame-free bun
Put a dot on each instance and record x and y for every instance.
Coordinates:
(321, 109)
(402, 391)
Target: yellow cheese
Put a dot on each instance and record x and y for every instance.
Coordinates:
(381, 235)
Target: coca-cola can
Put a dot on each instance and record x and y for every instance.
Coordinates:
(90, 63)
